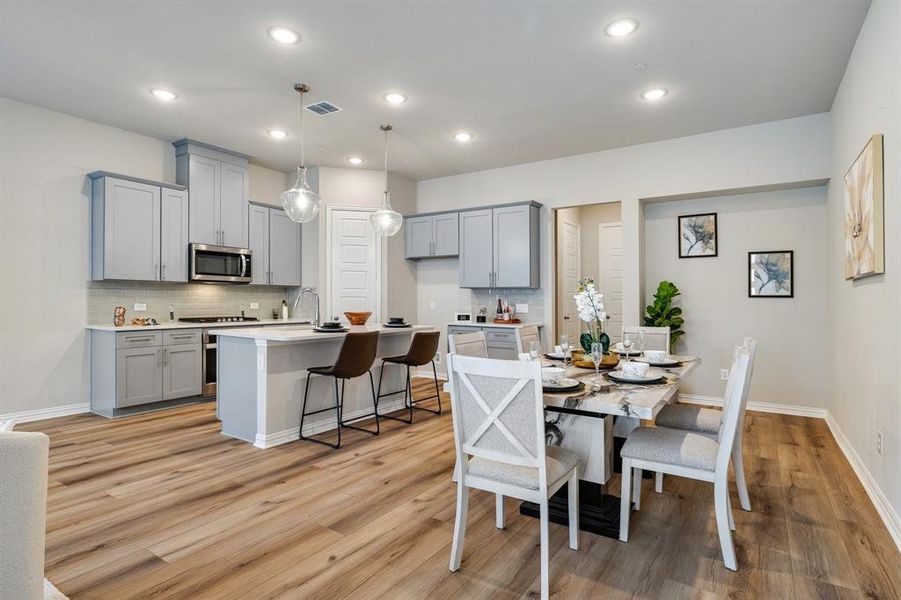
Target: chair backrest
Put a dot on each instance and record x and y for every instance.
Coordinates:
(356, 355)
(423, 347)
(524, 336)
(655, 338)
(468, 344)
(498, 412)
(739, 377)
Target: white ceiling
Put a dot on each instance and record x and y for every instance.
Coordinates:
(532, 80)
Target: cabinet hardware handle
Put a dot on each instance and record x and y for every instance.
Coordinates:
(156, 271)
(139, 339)
(159, 358)
(163, 272)
(165, 357)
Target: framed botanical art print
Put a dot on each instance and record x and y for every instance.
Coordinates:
(771, 274)
(697, 235)
(864, 232)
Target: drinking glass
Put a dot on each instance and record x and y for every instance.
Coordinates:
(564, 348)
(627, 345)
(533, 350)
(640, 345)
(597, 355)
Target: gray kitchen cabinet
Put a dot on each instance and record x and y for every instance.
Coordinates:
(174, 235)
(476, 249)
(258, 242)
(431, 235)
(139, 376)
(284, 249)
(182, 370)
(218, 182)
(500, 341)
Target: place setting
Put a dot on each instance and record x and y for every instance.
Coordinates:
(636, 373)
(396, 323)
(331, 327)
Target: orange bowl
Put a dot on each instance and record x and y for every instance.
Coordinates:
(358, 318)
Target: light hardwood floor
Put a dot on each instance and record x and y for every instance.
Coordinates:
(162, 506)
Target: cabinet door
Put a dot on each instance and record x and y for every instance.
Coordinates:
(476, 263)
(174, 235)
(258, 242)
(139, 376)
(513, 246)
(284, 249)
(203, 185)
(182, 371)
(233, 206)
(446, 235)
(418, 237)
(131, 230)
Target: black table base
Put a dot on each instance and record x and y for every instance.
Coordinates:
(598, 512)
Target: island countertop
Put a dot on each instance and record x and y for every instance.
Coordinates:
(305, 333)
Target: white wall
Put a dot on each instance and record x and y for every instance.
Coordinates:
(791, 369)
(865, 313)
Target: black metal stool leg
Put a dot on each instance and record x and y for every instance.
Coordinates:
(304, 413)
(404, 391)
(436, 396)
(342, 423)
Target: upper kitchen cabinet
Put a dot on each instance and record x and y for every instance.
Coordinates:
(276, 243)
(218, 181)
(499, 247)
(431, 235)
(138, 229)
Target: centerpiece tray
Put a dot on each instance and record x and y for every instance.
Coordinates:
(583, 361)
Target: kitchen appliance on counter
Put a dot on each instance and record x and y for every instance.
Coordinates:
(209, 347)
(223, 264)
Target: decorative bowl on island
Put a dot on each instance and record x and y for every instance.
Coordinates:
(358, 318)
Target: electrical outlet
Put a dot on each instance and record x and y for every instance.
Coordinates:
(432, 305)
(437, 358)
(140, 307)
(880, 447)
(522, 308)
(724, 374)
(254, 306)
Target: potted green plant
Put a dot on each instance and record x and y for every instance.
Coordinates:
(662, 313)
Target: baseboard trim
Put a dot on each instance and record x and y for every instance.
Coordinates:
(40, 414)
(269, 440)
(888, 515)
(767, 407)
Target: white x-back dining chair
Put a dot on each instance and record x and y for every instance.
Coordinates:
(655, 338)
(708, 420)
(525, 335)
(689, 454)
(468, 344)
(498, 416)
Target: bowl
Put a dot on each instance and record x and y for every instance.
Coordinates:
(358, 318)
(551, 374)
(655, 356)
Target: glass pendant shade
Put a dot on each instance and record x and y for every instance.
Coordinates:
(386, 221)
(301, 203)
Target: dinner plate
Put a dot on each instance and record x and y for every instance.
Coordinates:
(331, 329)
(563, 384)
(621, 377)
(622, 352)
(398, 325)
(667, 362)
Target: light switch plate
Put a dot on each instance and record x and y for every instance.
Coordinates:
(140, 307)
(522, 308)
(254, 305)
(724, 374)
(432, 305)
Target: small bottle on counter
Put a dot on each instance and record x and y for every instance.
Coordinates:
(171, 313)
(284, 309)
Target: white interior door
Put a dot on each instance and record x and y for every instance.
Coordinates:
(570, 272)
(610, 237)
(353, 263)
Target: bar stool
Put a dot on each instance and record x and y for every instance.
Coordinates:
(422, 352)
(357, 355)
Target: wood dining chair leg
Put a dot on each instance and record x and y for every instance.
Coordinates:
(636, 488)
(738, 465)
(459, 526)
(499, 511)
(658, 482)
(721, 504)
(545, 550)
(573, 507)
(625, 502)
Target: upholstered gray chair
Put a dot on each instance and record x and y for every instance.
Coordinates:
(468, 344)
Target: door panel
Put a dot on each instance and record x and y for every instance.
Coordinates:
(258, 242)
(131, 230)
(418, 237)
(354, 263)
(512, 246)
(203, 181)
(611, 276)
(182, 376)
(174, 235)
(139, 376)
(476, 262)
(570, 272)
(446, 236)
(233, 206)
(284, 249)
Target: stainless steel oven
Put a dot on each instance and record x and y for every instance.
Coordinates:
(220, 263)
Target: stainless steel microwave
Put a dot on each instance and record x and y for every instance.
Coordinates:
(220, 263)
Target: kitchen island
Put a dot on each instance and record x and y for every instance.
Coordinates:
(261, 374)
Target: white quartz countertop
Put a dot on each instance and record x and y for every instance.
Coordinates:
(306, 334)
(492, 324)
(184, 325)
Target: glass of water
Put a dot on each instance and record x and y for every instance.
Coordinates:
(564, 347)
(597, 355)
(534, 347)
(627, 345)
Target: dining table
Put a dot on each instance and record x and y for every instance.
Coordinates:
(589, 419)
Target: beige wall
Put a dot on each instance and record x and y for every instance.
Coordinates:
(266, 185)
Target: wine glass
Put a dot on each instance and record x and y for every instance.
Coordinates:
(627, 345)
(597, 355)
(639, 347)
(564, 348)
(534, 347)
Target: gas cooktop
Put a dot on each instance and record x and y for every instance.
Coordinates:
(217, 319)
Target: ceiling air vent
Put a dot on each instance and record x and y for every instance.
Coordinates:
(322, 108)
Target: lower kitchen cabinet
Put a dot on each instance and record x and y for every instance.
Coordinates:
(139, 376)
(501, 341)
(182, 375)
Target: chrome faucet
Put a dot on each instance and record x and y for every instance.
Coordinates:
(308, 290)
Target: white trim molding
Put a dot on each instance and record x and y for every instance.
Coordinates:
(877, 497)
(767, 407)
(52, 412)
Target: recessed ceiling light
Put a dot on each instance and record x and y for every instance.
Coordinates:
(355, 160)
(278, 134)
(283, 35)
(394, 98)
(621, 28)
(163, 94)
(462, 136)
(654, 94)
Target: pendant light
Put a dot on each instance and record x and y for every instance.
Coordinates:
(386, 221)
(301, 203)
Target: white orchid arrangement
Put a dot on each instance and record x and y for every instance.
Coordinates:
(590, 304)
